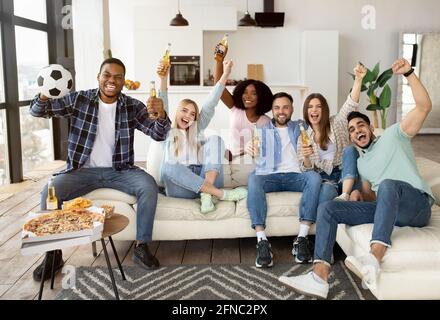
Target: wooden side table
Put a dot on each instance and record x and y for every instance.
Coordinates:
(112, 226)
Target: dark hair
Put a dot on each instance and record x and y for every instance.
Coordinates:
(282, 95)
(324, 124)
(355, 114)
(264, 95)
(112, 61)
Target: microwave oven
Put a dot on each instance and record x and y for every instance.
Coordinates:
(185, 71)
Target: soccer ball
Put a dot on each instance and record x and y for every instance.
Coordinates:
(54, 81)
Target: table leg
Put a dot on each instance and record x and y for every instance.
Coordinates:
(52, 280)
(94, 251)
(117, 258)
(40, 293)
(110, 271)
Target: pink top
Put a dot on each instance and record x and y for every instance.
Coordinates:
(242, 130)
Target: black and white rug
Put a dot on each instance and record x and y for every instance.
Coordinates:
(206, 282)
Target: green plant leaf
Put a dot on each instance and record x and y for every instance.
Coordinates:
(369, 77)
(373, 107)
(384, 77)
(385, 97)
(364, 88)
(375, 71)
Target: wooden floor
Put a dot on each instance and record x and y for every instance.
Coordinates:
(16, 270)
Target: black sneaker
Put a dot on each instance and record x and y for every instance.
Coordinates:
(143, 257)
(302, 250)
(264, 255)
(59, 263)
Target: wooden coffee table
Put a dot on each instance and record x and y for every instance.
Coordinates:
(112, 226)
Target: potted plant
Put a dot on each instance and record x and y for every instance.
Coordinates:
(378, 92)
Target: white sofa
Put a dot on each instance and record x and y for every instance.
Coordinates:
(410, 270)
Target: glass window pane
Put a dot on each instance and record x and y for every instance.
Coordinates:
(409, 38)
(32, 56)
(4, 162)
(36, 140)
(31, 9)
(2, 81)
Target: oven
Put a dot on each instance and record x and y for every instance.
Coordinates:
(185, 71)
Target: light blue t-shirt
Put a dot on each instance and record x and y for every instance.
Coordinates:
(391, 156)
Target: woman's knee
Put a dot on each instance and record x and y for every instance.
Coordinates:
(350, 152)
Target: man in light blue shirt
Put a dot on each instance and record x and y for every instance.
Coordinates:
(393, 193)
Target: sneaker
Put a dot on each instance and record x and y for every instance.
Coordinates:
(302, 250)
(306, 285)
(207, 205)
(143, 257)
(59, 263)
(343, 197)
(366, 268)
(264, 255)
(236, 194)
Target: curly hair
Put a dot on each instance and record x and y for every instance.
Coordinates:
(264, 96)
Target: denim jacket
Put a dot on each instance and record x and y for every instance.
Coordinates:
(270, 146)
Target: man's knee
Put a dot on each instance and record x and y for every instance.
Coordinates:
(313, 178)
(387, 185)
(145, 183)
(325, 210)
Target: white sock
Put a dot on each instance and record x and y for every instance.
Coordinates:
(318, 278)
(261, 235)
(303, 230)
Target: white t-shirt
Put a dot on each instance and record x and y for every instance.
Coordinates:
(104, 146)
(328, 154)
(188, 154)
(289, 160)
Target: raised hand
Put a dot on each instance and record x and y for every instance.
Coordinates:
(306, 151)
(155, 108)
(401, 66)
(360, 71)
(162, 70)
(227, 67)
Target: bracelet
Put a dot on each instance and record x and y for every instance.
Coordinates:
(409, 73)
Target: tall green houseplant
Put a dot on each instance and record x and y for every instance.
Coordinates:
(378, 92)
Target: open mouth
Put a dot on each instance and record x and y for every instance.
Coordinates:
(361, 137)
(314, 117)
(110, 87)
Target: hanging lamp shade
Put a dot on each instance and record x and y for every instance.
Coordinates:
(247, 21)
(179, 20)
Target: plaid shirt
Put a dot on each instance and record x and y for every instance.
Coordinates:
(338, 135)
(82, 110)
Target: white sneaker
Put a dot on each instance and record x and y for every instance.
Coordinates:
(342, 197)
(307, 285)
(366, 268)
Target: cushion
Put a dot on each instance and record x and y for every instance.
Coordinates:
(189, 209)
(413, 249)
(279, 204)
(110, 194)
(430, 172)
(241, 168)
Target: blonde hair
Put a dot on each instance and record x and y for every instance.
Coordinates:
(176, 145)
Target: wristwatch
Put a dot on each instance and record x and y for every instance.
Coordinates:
(409, 72)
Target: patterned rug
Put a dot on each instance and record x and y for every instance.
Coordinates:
(206, 282)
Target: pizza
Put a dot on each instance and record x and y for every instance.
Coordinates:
(61, 221)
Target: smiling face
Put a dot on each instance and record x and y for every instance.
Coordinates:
(250, 97)
(282, 110)
(186, 115)
(111, 81)
(361, 134)
(314, 111)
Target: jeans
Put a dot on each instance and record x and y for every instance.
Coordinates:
(309, 183)
(332, 184)
(186, 181)
(133, 181)
(398, 204)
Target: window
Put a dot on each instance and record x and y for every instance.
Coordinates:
(32, 56)
(4, 172)
(2, 80)
(31, 9)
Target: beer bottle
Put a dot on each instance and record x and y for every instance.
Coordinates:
(166, 61)
(305, 137)
(153, 94)
(51, 200)
(221, 49)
